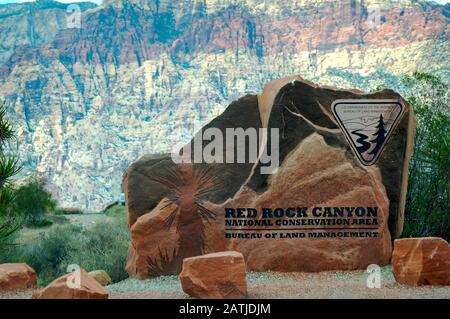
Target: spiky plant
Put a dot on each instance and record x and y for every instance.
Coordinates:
(8, 168)
(187, 187)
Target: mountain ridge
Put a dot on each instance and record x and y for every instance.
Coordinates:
(131, 81)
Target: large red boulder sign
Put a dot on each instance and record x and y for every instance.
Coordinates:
(326, 190)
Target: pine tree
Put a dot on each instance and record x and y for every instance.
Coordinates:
(379, 136)
(8, 168)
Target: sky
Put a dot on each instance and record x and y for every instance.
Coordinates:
(99, 1)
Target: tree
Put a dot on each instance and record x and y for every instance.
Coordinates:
(8, 168)
(33, 202)
(427, 210)
(379, 137)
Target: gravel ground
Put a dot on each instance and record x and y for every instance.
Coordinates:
(347, 285)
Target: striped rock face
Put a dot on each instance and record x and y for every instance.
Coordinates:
(421, 261)
(320, 209)
(87, 101)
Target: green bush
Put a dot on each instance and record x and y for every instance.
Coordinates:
(427, 210)
(102, 246)
(67, 211)
(47, 253)
(33, 202)
(115, 211)
(59, 219)
(39, 223)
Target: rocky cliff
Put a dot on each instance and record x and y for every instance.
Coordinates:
(32, 24)
(139, 76)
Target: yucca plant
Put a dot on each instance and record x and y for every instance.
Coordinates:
(9, 167)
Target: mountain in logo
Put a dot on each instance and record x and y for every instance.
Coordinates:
(367, 125)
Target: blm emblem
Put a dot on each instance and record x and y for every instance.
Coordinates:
(367, 125)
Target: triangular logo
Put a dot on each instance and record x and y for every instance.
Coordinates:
(367, 125)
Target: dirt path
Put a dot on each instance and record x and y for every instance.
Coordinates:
(348, 285)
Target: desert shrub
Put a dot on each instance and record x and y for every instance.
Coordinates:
(59, 219)
(102, 246)
(33, 202)
(68, 211)
(115, 211)
(39, 223)
(46, 253)
(427, 210)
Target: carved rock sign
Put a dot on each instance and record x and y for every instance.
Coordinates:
(316, 196)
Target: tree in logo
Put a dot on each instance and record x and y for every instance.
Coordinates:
(379, 137)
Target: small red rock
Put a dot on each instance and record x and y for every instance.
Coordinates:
(218, 275)
(421, 261)
(72, 287)
(16, 276)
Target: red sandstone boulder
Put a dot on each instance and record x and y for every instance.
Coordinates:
(177, 212)
(16, 277)
(217, 275)
(76, 285)
(421, 261)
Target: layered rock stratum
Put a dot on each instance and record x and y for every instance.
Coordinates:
(141, 76)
